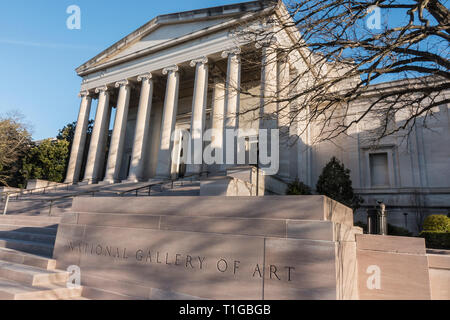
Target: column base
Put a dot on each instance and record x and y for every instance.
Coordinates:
(90, 181)
(109, 181)
(159, 179)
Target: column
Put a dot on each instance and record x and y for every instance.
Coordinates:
(142, 128)
(168, 122)
(96, 148)
(218, 121)
(118, 136)
(284, 116)
(232, 101)
(199, 101)
(269, 106)
(79, 140)
(269, 85)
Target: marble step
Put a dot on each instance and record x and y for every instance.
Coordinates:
(28, 259)
(31, 276)
(13, 290)
(100, 294)
(41, 249)
(36, 220)
(28, 236)
(29, 229)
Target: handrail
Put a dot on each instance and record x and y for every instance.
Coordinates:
(8, 195)
(122, 193)
(30, 191)
(149, 186)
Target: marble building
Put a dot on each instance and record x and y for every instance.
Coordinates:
(181, 71)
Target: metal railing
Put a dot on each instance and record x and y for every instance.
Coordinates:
(41, 190)
(16, 195)
(169, 181)
(94, 192)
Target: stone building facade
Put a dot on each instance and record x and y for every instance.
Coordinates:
(181, 71)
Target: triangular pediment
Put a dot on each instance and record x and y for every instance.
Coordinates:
(167, 33)
(168, 29)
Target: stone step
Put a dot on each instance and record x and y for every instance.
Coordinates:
(90, 293)
(29, 229)
(32, 221)
(13, 290)
(28, 259)
(31, 276)
(41, 249)
(28, 236)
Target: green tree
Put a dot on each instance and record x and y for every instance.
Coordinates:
(47, 161)
(14, 142)
(335, 182)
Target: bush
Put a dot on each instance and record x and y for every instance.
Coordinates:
(298, 188)
(335, 183)
(436, 240)
(398, 231)
(437, 223)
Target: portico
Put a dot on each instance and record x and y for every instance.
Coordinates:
(150, 88)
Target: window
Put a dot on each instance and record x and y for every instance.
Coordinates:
(379, 170)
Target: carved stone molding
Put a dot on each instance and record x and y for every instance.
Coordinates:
(122, 83)
(101, 89)
(173, 68)
(265, 43)
(234, 52)
(203, 60)
(84, 94)
(145, 76)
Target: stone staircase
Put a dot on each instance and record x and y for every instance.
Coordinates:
(27, 271)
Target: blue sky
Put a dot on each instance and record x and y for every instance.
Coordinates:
(38, 54)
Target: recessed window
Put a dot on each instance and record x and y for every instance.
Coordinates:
(379, 170)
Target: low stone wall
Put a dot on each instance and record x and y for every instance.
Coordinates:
(392, 268)
(277, 247)
(211, 247)
(439, 270)
(36, 184)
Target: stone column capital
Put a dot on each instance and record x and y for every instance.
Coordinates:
(170, 69)
(145, 76)
(122, 83)
(84, 94)
(234, 52)
(266, 43)
(202, 60)
(101, 89)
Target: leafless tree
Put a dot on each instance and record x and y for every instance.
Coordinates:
(14, 141)
(345, 58)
